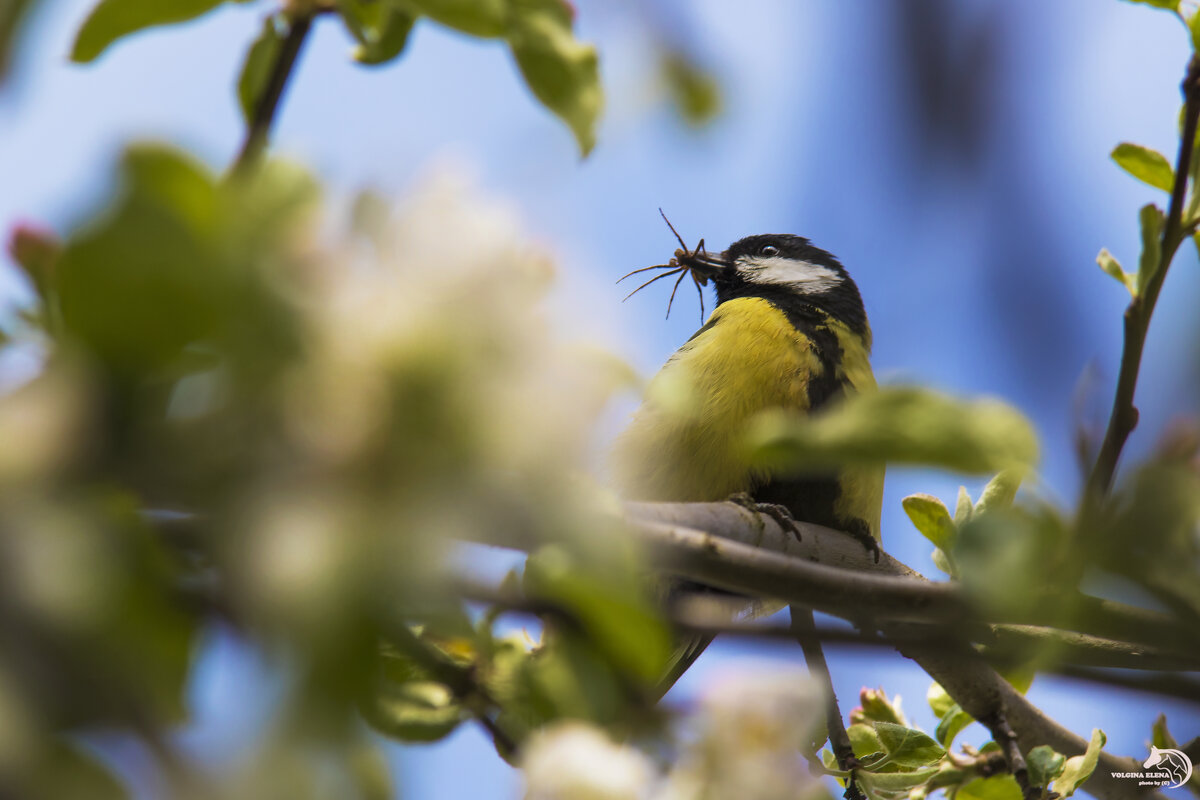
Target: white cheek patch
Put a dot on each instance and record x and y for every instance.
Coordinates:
(812, 278)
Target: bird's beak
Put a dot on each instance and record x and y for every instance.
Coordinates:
(703, 265)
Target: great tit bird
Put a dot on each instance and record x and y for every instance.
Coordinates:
(789, 331)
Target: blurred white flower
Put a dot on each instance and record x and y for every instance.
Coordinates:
(575, 761)
(754, 725)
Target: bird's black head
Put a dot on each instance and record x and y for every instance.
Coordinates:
(785, 269)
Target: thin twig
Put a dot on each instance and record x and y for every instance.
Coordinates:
(804, 628)
(263, 117)
(1124, 415)
(1003, 735)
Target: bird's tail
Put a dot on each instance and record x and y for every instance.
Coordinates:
(684, 655)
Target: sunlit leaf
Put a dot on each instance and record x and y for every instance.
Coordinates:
(1145, 164)
(562, 72)
(863, 740)
(256, 70)
(908, 747)
(1079, 768)
(111, 20)
(931, 517)
(1112, 267)
(897, 425)
(939, 700)
(1000, 492)
(963, 507)
(1151, 219)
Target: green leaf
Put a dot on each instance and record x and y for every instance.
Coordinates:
(1079, 768)
(899, 425)
(111, 20)
(1006, 559)
(1020, 678)
(484, 18)
(908, 747)
(1000, 492)
(256, 70)
(414, 711)
(963, 507)
(1045, 764)
(381, 28)
(1166, 5)
(942, 561)
(1145, 164)
(896, 781)
(874, 706)
(931, 518)
(863, 740)
(562, 72)
(695, 92)
(997, 787)
(1151, 219)
(1161, 737)
(951, 724)
(939, 700)
(142, 286)
(610, 606)
(12, 15)
(1112, 267)
(1194, 30)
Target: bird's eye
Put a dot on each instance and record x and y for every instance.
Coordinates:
(768, 250)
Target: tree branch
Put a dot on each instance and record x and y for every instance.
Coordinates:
(259, 130)
(804, 628)
(1124, 415)
(829, 571)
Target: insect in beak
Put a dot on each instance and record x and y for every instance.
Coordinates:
(697, 263)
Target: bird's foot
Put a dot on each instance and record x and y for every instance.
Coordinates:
(779, 513)
(860, 531)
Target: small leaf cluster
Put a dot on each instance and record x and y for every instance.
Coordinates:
(559, 70)
(897, 760)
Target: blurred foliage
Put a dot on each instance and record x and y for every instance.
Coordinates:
(12, 14)
(898, 425)
(560, 71)
(694, 90)
(320, 429)
(252, 415)
(111, 20)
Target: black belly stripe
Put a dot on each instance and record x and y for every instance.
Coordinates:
(811, 497)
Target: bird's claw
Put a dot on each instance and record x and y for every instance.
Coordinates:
(859, 530)
(779, 513)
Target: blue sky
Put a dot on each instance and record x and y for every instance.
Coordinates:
(973, 244)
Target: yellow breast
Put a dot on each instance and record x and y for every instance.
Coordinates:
(685, 442)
